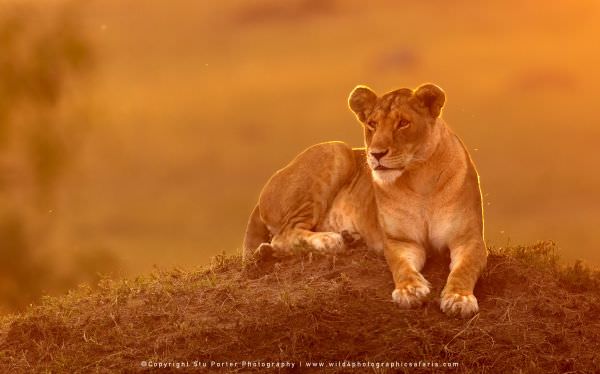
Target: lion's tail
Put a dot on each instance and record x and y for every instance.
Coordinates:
(257, 233)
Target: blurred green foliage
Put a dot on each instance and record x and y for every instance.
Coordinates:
(36, 62)
(41, 54)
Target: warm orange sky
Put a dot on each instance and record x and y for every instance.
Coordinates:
(196, 103)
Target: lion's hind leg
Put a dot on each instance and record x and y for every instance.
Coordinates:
(296, 199)
(297, 239)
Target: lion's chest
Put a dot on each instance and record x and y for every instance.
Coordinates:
(413, 218)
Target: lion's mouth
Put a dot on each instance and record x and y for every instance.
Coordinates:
(384, 168)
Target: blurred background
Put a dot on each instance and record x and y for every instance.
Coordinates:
(139, 133)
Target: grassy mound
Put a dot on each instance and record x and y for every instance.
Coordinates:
(536, 316)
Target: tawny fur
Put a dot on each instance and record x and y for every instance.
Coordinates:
(413, 189)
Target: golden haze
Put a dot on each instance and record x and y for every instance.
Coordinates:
(197, 103)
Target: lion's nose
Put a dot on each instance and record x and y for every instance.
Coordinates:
(379, 154)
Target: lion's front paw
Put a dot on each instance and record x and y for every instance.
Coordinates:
(326, 241)
(456, 304)
(411, 292)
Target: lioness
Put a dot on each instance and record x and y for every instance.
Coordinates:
(413, 189)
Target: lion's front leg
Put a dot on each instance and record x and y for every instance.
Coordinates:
(406, 260)
(467, 261)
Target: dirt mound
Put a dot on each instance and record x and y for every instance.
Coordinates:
(308, 310)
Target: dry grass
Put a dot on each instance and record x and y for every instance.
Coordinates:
(536, 316)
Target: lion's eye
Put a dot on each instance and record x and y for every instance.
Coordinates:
(403, 123)
(371, 125)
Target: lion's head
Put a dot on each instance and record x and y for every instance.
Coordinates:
(399, 127)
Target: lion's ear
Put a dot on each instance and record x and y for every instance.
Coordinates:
(431, 97)
(361, 101)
